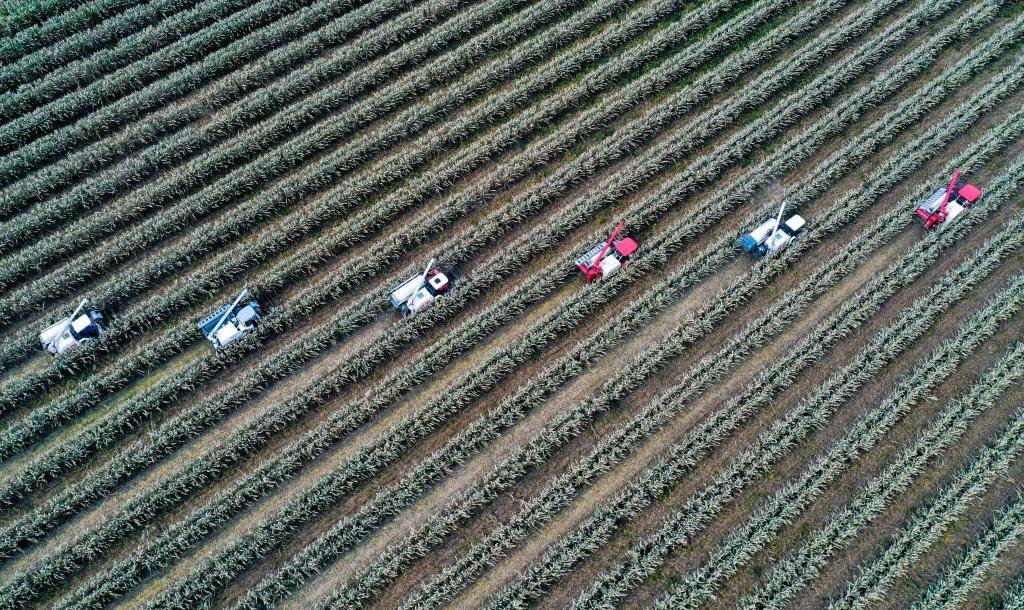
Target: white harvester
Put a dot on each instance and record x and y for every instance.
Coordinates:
(419, 292)
(231, 321)
(773, 235)
(73, 331)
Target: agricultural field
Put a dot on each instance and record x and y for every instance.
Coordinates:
(839, 424)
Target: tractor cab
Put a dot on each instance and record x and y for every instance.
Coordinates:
(945, 204)
(73, 331)
(773, 235)
(604, 260)
(231, 321)
(419, 292)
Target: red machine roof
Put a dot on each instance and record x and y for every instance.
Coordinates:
(970, 193)
(626, 246)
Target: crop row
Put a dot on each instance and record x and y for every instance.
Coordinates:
(35, 66)
(812, 412)
(370, 219)
(613, 586)
(244, 100)
(323, 137)
(254, 132)
(75, 73)
(62, 19)
(484, 432)
(120, 287)
(169, 221)
(286, 419)
(927, 527)
(713, 367)
(539, 238)
(791, 575)
(567, 100)
(98, 96)
(558, 270)
(789, 502)
(950, 591)
(80, 169)
(1013, 598)
(496, 223)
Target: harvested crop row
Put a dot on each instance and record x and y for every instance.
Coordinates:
(155, 133)
(926, 527)
(756, 333)
(795, 572)
(576, 216)
(322, 493)
(76, 73)
(36, 65)
(62, 18)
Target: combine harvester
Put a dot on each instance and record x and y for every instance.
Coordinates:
(773, 235)
(70, 333)
(231, 321)
(603, 261)
(419, 292)
(944, 205)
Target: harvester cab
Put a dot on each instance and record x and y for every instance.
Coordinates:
(945, 204)
(73, 331)
(773, 235)
(419, 292)
(604, 260)
(231, 321)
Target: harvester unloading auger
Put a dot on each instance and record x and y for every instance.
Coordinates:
(944, 205)
(603, 261)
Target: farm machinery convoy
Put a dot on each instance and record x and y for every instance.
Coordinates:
(418, 292)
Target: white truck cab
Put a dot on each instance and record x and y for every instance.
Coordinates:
(419, 292)
(73, 331)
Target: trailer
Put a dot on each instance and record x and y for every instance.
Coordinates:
(773, 235)
(605, 259)
(73, 331)
(231, 321)
(945, 204)
(418, 292)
